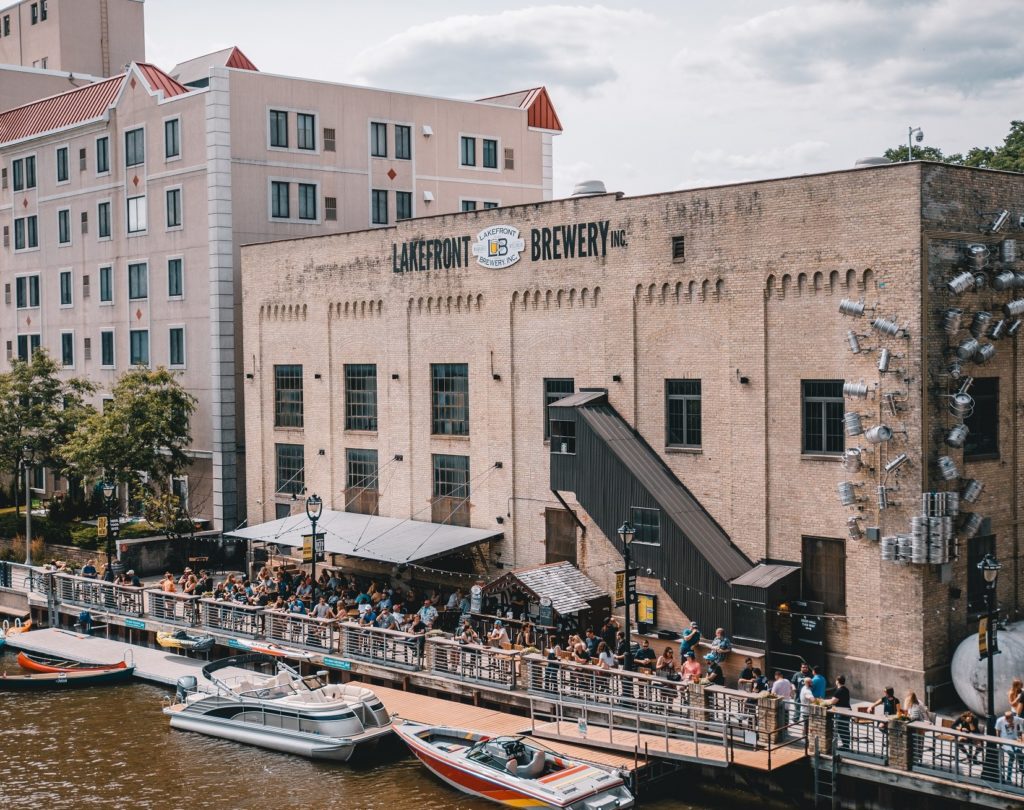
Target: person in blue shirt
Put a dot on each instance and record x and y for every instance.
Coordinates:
(592, 641)
(297, 606)
(818, 683)
(691, 637)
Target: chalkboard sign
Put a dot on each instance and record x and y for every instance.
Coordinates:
(808, 625)
(546, 613)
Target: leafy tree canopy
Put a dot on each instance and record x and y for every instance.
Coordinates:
(1008, 157)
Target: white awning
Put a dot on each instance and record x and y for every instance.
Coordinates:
(368, 537)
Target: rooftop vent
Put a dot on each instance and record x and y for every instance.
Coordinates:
(871, 161)
(589, 188)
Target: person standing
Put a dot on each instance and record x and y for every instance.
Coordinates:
(691, 637)
(818, 683)
(806, 699)
(1010, 727)
(841, 700)
(889, 702)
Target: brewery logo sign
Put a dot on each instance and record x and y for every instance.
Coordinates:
(498, 247)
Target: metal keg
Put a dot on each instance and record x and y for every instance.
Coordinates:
(957, 435)
(856, 390)
(1004, 281)
(961, 283)
(904, 547)
(972, 490)
(986, 351)
(886, 326)
(895, 463)
(998, 329)
(852, 461)
(972, 525)
(853, 527)
(1018, 280)
(955, 371)
(888, 548)
(850, 307)
(978, 255)
(884, 357)
(1008, 250)
(980, 281)
(929, 504)
(854, 341)
(961, 405)
(980, 322)
(878, 434)
(1013, 328)
(1014, 308)
(966, 349)
(883, 498)
(852, 421)
(951, 320)
(847, 493)
(948, 469)
(952, 504)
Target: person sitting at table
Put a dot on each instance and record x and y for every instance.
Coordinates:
(296, 605)
(527, 636)
(691, 667)
(666, 665)
(89, 570)
(386, 620)
(968, 724)
(498, 637)
(579, 651)
(133, 579)
(167, 584)
(605, 657)
(467, 635)
(322, 610)
(645, 656)
(714, 674)
(720, 645)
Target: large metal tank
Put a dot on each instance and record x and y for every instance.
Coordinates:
(970, 676)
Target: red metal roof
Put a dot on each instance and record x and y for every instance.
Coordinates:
(158, 80)
(540, 111)
(72, 107)
(239, 60)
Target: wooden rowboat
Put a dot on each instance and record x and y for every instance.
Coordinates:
(45, 663)
(43, 681)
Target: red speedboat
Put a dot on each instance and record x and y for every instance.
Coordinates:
(45, 663)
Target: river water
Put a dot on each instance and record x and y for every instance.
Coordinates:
(112, 748)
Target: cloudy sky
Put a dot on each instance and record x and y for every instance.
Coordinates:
(664, 94)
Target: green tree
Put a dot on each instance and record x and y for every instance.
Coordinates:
(140, 437)
(899, 153)
(1010, 156)
(40, 410)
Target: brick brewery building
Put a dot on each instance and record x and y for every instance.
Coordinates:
(547, 371)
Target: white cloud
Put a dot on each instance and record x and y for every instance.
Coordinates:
(758, 163)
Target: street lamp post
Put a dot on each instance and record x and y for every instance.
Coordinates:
(314, 506)
(989, 567)
(109, 490)
(626, 535)
(913, 133)
(27, 457)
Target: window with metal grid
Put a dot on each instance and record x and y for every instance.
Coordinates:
(331, 209)
(555, 388)
(451, 490)
(330, 139)
(682, 413)
(360, 396)
(823, 416)
(450, 399)
(647, 523)
(290, 462)
(361, 469)
(288, 396)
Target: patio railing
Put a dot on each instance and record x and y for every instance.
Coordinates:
(232, 617)
(174, 608)
(473, 663)
(318, 635)
(375, 645)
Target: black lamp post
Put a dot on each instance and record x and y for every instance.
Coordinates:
(989, 567)
(27, 457)
(109, 490)
(314, 506)
(626, 535)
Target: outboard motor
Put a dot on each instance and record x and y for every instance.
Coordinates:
(186, 685)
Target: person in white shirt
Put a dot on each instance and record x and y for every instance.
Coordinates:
(782, 688)
(1010, 727)
(453, 600)
(498, 636)
(806, 699)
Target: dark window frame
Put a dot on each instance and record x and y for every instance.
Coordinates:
(982, 442)
(305, 131)
(821, 418)
(67, 287)
(172, 138)
(684, 413)
(138, 347)
(362, 469)
(172, 203)
(449, 399)
(467, 150)
(103, 155)
(647, 522)
(378, 139)
(64, 226)
(403, 142)
(135, 147)
(819, 583)
(403, 205)
(176, 347)
(563, 437)
(555, 388)
(489, 153)
(103, 221)
(308, 193)
(175, 277)
(108, 349)
(138, 281)
(67, 349)
(280, 199)
(277, 121)
(361, 396)
(288, 400)
(63, 165)
(106, 284)
(289, 466)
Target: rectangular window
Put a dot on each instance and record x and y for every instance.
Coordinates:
(175, 279)
(26, 233)
(379, 207)
(510, 159)
(138, 281)
(288, 396)
(682, 413)
(67, 349)
(489, 205)
(360, 396)
(307, 201)
(137, 221)
(102, 155)
(135, 147)
(977, 548)
(176, 348)
(82, 166)
(403, 142)
(107, 349)
(403, 205)
(469, 205)
(66, 291)
(330, 139)
(291, 478)
(823, 417)
(305, 135)
(172, 138)
(27, 346)
(103, 220)
(331, 209)
(85, 222)
(279, 194)
(106, 285)
(449, 399)
(30, 171)
(64, 227)
(451, 489)
(62, 165)
(42, 10)
(173, 201)
(647, 523)
(467, 152)
(35, 13)
(983, 424)
(563, 437)
(279, 129)
(26, 289)
(378, 139)
(490, 154)
(361, 469)
(138, 342)
(824, 573)
(7, 25)
(555, 388)
(18, 174)
(679, 248)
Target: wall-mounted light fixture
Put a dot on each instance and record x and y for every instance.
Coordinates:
(496, 377)
(616, 378)
(394, 376)
(743, 380)
(317, 376)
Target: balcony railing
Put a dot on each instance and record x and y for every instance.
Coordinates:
(232, 618)
(473, 663)
(863, 735)
(94, 593)
(977, 759)
(318, 635)
(174, 608)
(375, 645)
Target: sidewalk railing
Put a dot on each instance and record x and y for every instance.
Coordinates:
(474, 663)
(375, 645)
(318, 635)
(174, 608)
(232, 617)
(94, 593)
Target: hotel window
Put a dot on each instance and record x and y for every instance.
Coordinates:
(682, 413)
(647, 523)
(102, 155)
(288, 396)
(65, 288)
(176, 349)
(291, 479)
(135, 147)
(305, 136)
(378, 139)
(64, 227)
(489, 205)
(467, 152)
(26, 292)
(67, 349)
(172, 138)
(103, 220)
(35, 13)
(331, 209)
(469, 205)
(30, 171)
(279, 204)
(82, 165)
(138, 281)
(18, 174)
(138, 345)
(26, 233)
(179, 489)
(823, 417)
(360, 396)
(279, 129)
(7, 25)
(824, 573)
(42, 10)
(451, 489)
(403, 205)
(977, 548)
(173, 202)
(983, 424)
(62, 165)
(24, 171)
(106, 285)
(379, 207)
(361, 481)
(307, 201)
(449, 399)
(403, 142)
(555, 388)
(490, 155)
(137, 214)
(175, 279)
(563, 437)
(27, 346)
(107, 349)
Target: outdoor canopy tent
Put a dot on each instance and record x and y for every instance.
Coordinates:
(369, 537)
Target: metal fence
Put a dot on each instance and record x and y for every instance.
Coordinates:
(473, 663)
(94, 593)
(174, 608)
(862, 735)
(232, 617)
(319, 635)
(378, 646)
(973, 758)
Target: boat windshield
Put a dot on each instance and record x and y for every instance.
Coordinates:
(498, 752)
(312, 683)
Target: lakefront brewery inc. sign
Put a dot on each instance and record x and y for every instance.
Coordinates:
(501, 246)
